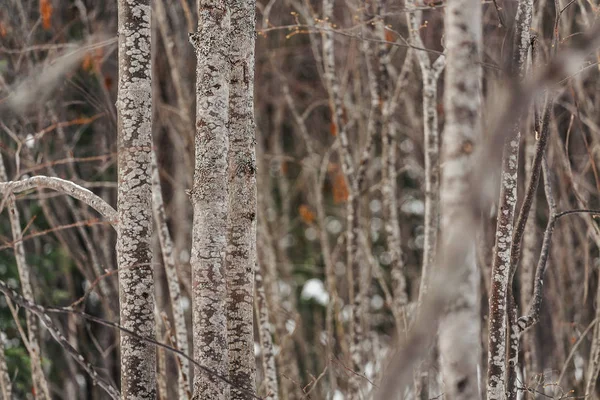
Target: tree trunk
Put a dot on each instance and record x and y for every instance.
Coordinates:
(459, 328)
(134, 254)
(210, 199)
(241, 244)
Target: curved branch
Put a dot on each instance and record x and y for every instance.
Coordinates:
(66, 187)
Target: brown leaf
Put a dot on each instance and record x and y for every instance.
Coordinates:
(390, 36)
(340, 189)
(333, 129)
(87, 63)
(306, 214)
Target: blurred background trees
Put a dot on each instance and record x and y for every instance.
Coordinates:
(348, 100)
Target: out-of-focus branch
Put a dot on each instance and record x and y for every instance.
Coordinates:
(482, 193)
(533, 314)
(41, 313)
(167, 248)
(5, 384)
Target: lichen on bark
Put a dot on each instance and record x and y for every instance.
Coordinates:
(209, 197)
(241, 235)
(134, 255)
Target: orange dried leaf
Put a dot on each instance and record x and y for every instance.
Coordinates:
(306, 214)
(390, 36)
(333, 129)
(2, 30)
(46, 13)
(86, 64)
(340, 189)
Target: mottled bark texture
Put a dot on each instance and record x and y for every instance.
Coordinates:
(241, 244)
(502, 266)
(40, 384)
(210, 198)
(496, 388)
(134, 207)
(167, 249)
(459, 328)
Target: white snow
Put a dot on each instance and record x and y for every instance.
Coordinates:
(315, 289)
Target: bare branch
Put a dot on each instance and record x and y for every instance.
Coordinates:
(66, 187)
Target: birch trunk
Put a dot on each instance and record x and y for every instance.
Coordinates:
(210, 199)
(241, 245)
(40, 385)
(134, 207)
(459, 328)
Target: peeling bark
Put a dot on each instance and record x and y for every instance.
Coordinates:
(210, 199)
(134, 254)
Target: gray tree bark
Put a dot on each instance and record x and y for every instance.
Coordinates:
(210, 199)
(241, 244)
(502, 265)
(134, 207)
(460, 327)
